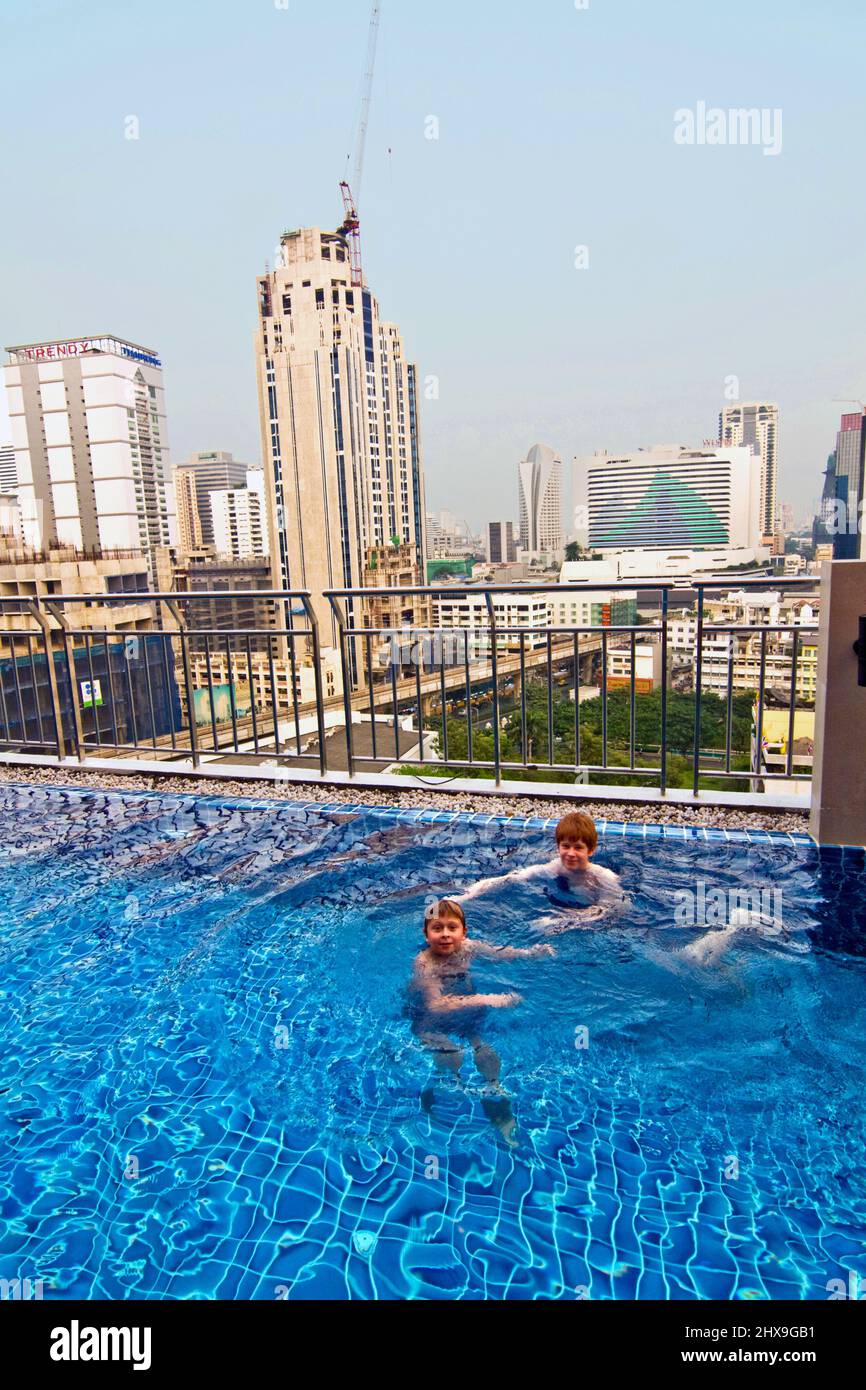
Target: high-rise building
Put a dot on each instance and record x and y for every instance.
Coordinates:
(449, 535)
(242, 609)
(671, 496)
(204, 474)
(823, 521)
(238, 523)
(501, 543)
(8, 473)
(189, 534)
(755, 425)
(339, 411)
(849, 485)
(540, 493)
(91, 446)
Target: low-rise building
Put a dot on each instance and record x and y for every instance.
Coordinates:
(647, 667)
(518, 617)
(270, 684)
(734, 660)
(29, 574)
(11, 525)
(597, 608)
(773, 757)
(393, 567)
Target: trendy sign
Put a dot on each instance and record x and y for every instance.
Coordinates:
(77, 347)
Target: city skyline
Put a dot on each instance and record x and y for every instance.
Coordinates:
(638, 343)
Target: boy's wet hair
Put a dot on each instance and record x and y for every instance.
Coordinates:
(444, 907)
(577, 826)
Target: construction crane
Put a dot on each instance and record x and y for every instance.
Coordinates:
(351, 226)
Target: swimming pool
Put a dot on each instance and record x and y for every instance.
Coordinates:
(210, 1088)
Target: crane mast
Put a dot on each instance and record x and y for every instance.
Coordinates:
(351, 226)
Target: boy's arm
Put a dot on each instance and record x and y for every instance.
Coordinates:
(570, 920)
(516, 876)
(611, 894)
(483, 948)
(430, 985)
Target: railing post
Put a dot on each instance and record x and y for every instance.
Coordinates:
(35, 610)
(182, 629)
(317, 676)
(699, 676)
(494, 668)
(664, 774)
(342, 623)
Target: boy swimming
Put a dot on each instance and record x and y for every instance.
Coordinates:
(589, 890)
(444, 1002)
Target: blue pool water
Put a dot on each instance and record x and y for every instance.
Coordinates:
(210, 1088)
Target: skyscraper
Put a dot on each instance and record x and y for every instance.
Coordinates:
(501, 543)
(339, 412)
(847, 484)
(755, 424)
(540, 494)
(823, 524)
(91, 446)
(189, 536)
(205, 473)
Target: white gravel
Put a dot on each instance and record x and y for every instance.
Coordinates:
(414, 798)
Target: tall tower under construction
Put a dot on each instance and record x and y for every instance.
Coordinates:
(339, 411)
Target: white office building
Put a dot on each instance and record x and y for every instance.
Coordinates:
(540, 497)
(91, 445)
(238, 523)
(671, 498)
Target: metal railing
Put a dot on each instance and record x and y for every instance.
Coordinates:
(177, 678)
(514, 649)
(132, 689)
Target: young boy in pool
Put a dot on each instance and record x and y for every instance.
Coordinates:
(444, 1002)
(588, 890)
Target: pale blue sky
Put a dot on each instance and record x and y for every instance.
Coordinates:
(556, 130)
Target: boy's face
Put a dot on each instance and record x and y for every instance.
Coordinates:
(445, 935)
(574, 854)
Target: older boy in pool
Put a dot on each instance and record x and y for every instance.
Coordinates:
(444, 1002)
(589, 890)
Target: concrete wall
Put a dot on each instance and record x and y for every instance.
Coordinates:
(839, 787)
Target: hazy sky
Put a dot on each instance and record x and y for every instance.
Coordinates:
(556, 130)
